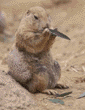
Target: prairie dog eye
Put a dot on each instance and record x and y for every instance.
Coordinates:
(36, 17)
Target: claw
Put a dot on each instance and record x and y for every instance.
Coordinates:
(49, 92)
(60, 86)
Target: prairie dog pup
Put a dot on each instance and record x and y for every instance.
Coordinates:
(30, 62)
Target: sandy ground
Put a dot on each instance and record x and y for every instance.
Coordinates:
(69, 18)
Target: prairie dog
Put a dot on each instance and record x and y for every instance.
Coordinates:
(30, 62)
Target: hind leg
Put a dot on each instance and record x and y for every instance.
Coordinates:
(52, 90)
(58, 71)
(37, 84)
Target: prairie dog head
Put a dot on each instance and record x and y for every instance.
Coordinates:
(35, 20)
(34, 25)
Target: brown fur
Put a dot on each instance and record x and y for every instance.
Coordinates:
(30, 62)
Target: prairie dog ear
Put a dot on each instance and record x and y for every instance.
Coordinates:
(27, 12)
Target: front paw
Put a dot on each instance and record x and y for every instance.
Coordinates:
(46, 33)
